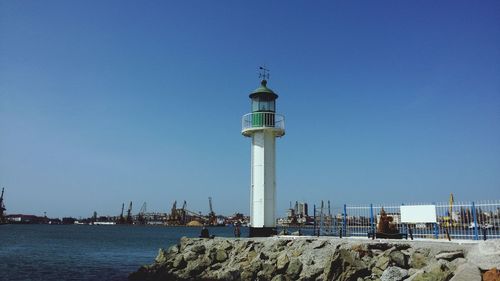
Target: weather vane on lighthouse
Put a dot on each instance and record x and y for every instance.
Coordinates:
(263, 125)
(263, 73)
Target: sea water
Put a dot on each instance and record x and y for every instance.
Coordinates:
(85, 252)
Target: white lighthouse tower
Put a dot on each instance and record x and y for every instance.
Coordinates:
(263, 125)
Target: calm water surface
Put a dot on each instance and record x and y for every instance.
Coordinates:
(84, 252)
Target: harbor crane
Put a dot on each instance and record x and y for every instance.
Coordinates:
(448, 220)
(2, 209)
(212, 218)
(121, 220)
(141, 218)
(183, 217)
(129, 214)
(174, 218)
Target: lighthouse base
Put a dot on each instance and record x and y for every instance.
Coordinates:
(262, 231)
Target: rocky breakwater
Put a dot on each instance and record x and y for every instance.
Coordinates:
(303, 258)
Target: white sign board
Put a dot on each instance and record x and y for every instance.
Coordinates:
(418, 214)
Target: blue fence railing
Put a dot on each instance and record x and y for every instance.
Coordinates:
(461, 220)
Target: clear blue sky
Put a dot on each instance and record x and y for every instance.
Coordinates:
(103, 102)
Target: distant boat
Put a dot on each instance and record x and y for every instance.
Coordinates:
(104, 223)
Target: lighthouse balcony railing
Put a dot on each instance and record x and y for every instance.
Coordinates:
(263, 120)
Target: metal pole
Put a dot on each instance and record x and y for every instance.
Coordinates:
(344, 223)
(474, 216)
(372, 229)
(436, 226)
(314, 229)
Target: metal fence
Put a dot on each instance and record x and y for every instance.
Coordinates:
(460, 220)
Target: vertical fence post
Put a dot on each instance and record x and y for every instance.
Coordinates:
(372, 225)
(344, 222)
(314, 229)
(321, 228)
(436, 226)
(474, 216)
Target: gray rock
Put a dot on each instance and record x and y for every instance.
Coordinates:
(198, 249)
(437, 272)
(467, 272)
(254, 267)
(220, 255)
(399, 259)
(377, 272)
(394, 273)
(486, 255)
(418, 260)
(379, 246)
(216, 266)
(412, 271)
(311, 272)
(161, 257)
(267, 272)
(294, 268)
(247, 276)
(382, 262)
(179, 262)
(415, 274)
(454, 264)
(225, 245)
(282, 262)
(273, 255)
(230, 274)
(251, 255)
(190, 256)
(343, 266)
(195, 267)
(449, 256)
(319, 244)
(263, 256)
(174, 249)
(279, 277)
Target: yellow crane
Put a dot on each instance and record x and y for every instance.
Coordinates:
(448, 220)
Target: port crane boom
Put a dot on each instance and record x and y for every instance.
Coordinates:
(212, 219)
(141, 216)
(2, 208)
(129, 214)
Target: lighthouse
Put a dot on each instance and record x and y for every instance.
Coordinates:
(263, 125)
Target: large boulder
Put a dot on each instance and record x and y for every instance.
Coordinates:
(486, 255)
(435, 272)
(394, 273)
(449, 256)
(267, 272)
(399, 259)
(282, 262)
(198, 249)
(162, 256)
(294, 268)
(220, 255)
(179, 262)
(343, 266)
(418, 260)
(467, 272)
